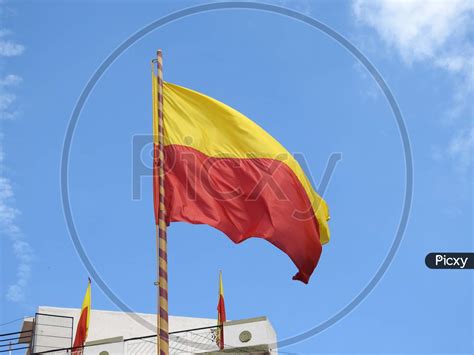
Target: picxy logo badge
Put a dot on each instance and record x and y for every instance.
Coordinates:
(450, 260)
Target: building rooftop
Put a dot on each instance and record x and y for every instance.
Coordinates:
(52, 330)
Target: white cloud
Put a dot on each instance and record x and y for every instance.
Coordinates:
(8, 100)
(10, 48)
(10, 229)
(303, 6)
(9, 214)
(418, 29)
(437, 33)
(10, 80)
(368, 88)
(461, 147)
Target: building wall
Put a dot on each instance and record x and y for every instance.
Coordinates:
(104, 325)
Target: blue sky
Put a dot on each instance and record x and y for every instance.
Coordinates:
(304, 89)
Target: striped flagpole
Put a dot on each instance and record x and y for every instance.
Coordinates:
(161, 233)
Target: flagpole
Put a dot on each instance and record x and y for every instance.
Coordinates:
(161, 232)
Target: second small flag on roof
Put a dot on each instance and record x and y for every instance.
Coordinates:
(221, 318)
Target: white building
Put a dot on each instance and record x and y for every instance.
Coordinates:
(52, 330)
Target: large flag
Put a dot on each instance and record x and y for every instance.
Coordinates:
(223, 170)
(83, 325)
(221, 318)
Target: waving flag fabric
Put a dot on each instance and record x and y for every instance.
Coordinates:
(83, 324)
(225, 171)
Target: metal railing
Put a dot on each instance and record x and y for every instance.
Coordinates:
(15, 341)
(190, 341)
(52, 334)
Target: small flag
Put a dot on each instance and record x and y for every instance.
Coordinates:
(83, 325)
(220, 315)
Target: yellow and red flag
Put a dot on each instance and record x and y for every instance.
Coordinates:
(221, 318)
(223, 170)
(83, 324)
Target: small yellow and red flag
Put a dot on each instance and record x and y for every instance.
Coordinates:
(83, 325)
(221, 318)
